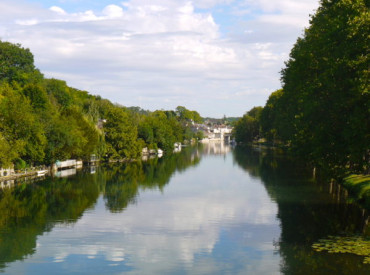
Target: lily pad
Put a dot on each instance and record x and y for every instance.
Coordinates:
(357, 245)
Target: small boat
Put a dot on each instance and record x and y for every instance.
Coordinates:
(42, 173)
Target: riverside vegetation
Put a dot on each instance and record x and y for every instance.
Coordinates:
(322, 112)
(43, 120)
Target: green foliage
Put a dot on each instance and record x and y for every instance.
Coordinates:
(323, 111)
(247, 129)
(20, 164)
(359, 188)
(44, 120)
(37, 95)
(59, 90)
(199, 135)
(160, 129)
(120, 135)
(7, 152)
(255, 112)
(273, 118)
(326, 78)
(357, 245)
(20, 126)
(187, 115)
(16, 64)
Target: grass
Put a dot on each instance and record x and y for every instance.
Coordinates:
(359, 187)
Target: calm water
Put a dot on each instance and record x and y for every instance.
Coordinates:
(206, 210)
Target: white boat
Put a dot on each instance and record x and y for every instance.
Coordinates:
(42, 173)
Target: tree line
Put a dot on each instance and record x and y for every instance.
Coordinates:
(322, 112)
(43, 120)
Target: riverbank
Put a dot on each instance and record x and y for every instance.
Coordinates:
(358, 187)
(26, 176)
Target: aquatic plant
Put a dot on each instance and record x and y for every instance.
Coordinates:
(357, 245)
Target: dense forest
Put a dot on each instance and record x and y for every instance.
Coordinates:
(322, 112)
(43, 120)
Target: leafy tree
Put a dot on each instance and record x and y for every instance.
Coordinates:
(325, 100)
(44, 120)
(8, 152)
(120, 135)
(160, 129)
(17, 64)
(187, 115)
(247, 128)
(85, 133)
(273, 118)
(20, 125)
(37, 96)
(59, 90)
(255, 112)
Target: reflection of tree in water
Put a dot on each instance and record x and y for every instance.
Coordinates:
(307, 211)
(124, 182)
(28, 211)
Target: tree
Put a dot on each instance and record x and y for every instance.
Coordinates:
(273, 120)
(325, 83)
(160, 129)
(37, 96)
(20, 126)
(120, 135)
(44, 120)
(247, 128)
(17, 64)
(59, 90)
(8, 152)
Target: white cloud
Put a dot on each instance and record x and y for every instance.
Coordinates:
(113, 11)
(57, 10)
(161, 53)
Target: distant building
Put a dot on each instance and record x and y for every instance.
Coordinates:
(217, 133)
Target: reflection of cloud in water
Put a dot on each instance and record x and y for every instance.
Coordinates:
(176, 228)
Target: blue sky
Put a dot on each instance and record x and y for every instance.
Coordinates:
(219, 57)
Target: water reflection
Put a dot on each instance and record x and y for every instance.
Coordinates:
(182, 214)
(308, 210)
(29, 210)
(216, 148)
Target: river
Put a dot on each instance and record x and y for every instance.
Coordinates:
(210, 209)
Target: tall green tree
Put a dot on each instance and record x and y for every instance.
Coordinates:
(325, 85)
(17, 64)
(120, 135)
(247, 129)
(20, 126)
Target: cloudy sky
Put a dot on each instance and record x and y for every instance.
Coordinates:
(219, 57)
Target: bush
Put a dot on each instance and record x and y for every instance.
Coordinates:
(20, 164)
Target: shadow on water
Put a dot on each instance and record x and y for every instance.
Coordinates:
(30, 210)
(308, 210)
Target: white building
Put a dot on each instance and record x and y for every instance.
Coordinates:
(6, 172)
(221, 133)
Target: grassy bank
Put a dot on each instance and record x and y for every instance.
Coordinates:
(359, 188)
